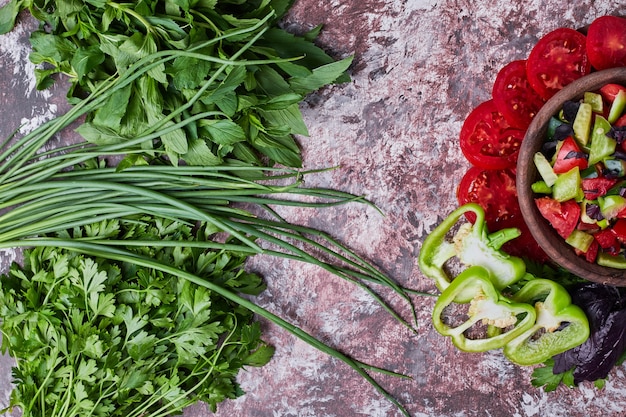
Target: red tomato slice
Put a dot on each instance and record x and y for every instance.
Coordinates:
(494, 190)
(569, 156)
(596, 187)
(592, 252)
(513, 95)
(487, 140)
(621, 122)
(609, 91)
(556, 60)
(607, 241)
(562, 216)
(606, 42)
(619, 229)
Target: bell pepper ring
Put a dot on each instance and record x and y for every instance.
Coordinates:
(473, 245)
(559, 326)
(488, 306)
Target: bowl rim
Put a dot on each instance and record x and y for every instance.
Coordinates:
(526, 173)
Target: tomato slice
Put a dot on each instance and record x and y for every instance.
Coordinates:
(606, 42)
(513, 95)
(592, 252)
(607, 241)
(621, 122)
(487, 140)
(619, 229)
(569, 156)
(494, 191)
(562, 216)
(556, 60)
(609, 91)
(596, 187)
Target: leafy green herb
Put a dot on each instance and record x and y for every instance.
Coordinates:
(250, 113)
(63, 198)
(94, 337)
(545, 377)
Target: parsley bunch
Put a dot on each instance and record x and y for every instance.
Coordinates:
(95, 337)
(251, 114)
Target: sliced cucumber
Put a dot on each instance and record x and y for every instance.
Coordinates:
(617, 108)
(580, 240)
(595, 99)
(582, 123)
(605, 259)
(610, 205)
(568, 186)
(545, 169)
(601, 145)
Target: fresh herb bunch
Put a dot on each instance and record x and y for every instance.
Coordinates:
(95, 337)
(254, 109)
(43, 194)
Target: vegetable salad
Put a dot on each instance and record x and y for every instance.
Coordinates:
(585, 165)
(583, 170)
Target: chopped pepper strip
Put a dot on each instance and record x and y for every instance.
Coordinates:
(560, 325)
(488, 306)
(472, 245)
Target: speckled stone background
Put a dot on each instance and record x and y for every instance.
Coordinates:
(420, 66)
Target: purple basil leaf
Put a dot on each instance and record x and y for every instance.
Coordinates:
(620, 154)
(608, 344)
(618, 133)
(605, 307)
(593, 211)
(575, 155)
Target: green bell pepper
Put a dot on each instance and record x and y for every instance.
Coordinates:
(488, 306)
(473, 245)
(560, 325)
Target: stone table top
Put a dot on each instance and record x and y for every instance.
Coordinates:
(420, 66)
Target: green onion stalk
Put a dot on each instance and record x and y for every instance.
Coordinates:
(46, 192)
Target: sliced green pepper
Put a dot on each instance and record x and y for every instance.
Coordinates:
(559, 326)
(472, 245)
(488, 306)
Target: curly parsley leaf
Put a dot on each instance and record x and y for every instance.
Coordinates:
(110, 338)
(545, 377)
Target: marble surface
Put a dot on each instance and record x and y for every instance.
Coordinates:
(420, 66)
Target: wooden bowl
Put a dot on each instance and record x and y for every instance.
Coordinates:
(554, 245)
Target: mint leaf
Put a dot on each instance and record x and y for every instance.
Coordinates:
(85, 60)
(321, 76)
(199, 153)
(224, 132)
(50, 48)
(175, 140)
(289, 116)
(110, 114)
(8, 15)
(188, 72)
(99, 135)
